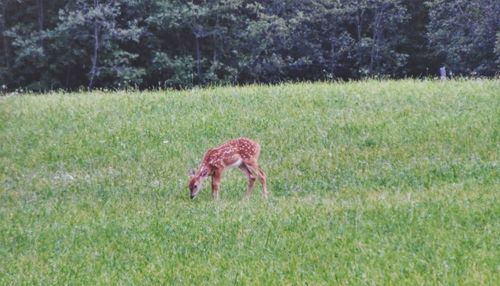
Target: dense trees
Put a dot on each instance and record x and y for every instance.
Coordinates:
(463, 33)
(155, 43)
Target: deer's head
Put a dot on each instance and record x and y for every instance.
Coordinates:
(195, 181)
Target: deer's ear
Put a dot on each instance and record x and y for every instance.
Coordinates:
(204, 172)
(191, 173)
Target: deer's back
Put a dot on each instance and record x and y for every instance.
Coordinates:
(232, 151)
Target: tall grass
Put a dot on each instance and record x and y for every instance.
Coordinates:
(374, 182)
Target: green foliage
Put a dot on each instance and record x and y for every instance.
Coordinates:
(149, 43)
(178, 71)
(372, 182)
(463, 34)
(79, 25)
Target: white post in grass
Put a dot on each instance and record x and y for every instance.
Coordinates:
(442, 73)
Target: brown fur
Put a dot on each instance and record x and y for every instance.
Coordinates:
(242, 153)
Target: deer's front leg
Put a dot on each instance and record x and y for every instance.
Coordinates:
(215, 184)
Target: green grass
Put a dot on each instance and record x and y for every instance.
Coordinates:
(379, 183)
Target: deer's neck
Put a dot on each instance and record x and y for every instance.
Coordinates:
(204, 170)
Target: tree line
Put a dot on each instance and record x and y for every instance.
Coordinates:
(62, 44)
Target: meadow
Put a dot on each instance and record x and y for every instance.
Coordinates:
(371, 183)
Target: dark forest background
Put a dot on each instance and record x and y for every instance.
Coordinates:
(60, 44)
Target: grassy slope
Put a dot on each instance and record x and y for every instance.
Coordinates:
(383, 182)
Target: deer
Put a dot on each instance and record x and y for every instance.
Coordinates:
(242, 153)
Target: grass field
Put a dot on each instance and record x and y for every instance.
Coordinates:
(372, 183)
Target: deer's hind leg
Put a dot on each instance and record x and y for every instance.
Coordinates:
(251, 179)
(254, 168)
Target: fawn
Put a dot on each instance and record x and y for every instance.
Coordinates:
(242, 153)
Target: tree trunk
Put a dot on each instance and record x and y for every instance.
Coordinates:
(359, 20)
(376, 38)
(359, 29)
(332, 55)
(40, 15)
(5, 43)
(93, 70)
(198, 57)
(215, 56)
(44, 73)
(214, 39)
